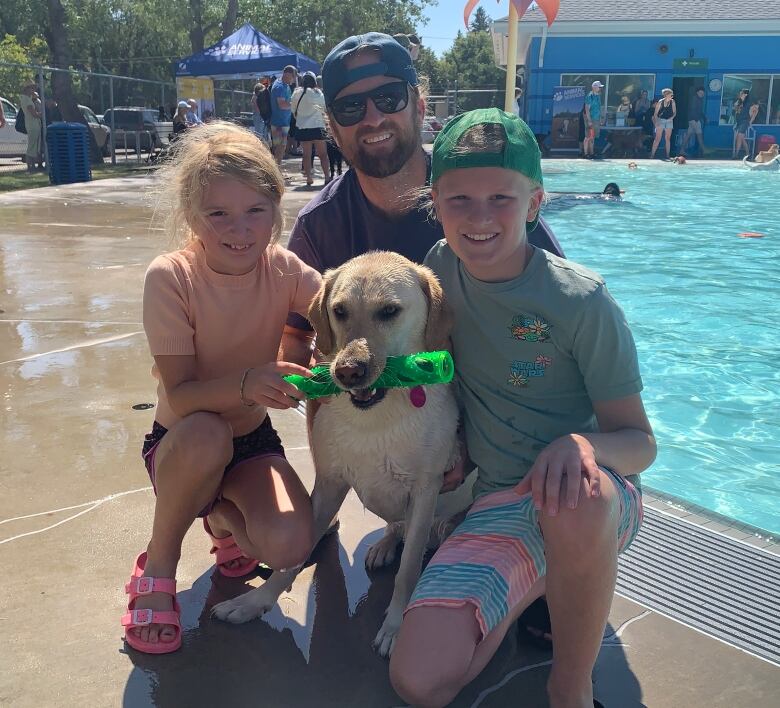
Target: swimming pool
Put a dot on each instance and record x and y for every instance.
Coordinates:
(704, 306)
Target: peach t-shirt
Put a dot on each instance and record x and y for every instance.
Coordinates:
(228, 322)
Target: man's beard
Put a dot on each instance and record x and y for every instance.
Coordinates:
(408, 138)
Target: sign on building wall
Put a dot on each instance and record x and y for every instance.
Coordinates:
(691, 64)
(567, 105)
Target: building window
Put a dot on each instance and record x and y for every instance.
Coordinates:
(774, 103)
(764, 91)
(615, 87)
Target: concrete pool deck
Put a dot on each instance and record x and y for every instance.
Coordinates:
(77, 508)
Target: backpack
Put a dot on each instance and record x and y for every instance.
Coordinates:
(20, 124)
(263, 101)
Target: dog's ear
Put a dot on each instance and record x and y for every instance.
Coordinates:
(439, 324)
(318, 314)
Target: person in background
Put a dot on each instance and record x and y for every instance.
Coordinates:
(665, 111)
(261, 111)
(626, 108)
(162, 116)
(180, 123)
(593, 119)
(516, 104)
(308, 107)
(53, 114)
(2, 116)
(192, 114)
(411, 43)
(745, 112)
(31, 105)
(281, 112)
(335, 158)
(648, 125)
(641, 106)
(696, 121)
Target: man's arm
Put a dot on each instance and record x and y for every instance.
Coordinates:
(297, 346)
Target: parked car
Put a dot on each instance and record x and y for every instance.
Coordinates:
(130, 121)
(99, 129)
(12, 144)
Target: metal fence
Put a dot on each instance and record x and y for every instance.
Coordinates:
(110, 103)
(107, 102)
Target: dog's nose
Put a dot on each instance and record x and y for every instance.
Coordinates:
(350, 374)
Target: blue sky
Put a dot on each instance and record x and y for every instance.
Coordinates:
(446, 19)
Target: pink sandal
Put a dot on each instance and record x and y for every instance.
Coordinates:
(226, 550)
(138, 586)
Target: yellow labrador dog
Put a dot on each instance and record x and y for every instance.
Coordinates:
(392, 448)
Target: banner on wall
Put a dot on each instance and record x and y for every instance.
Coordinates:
(565, 128)
(202, 90)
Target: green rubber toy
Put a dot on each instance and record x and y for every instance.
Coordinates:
(400, 372)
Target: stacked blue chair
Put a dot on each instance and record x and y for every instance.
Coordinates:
(68, 145)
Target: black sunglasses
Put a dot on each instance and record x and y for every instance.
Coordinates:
(389, 98)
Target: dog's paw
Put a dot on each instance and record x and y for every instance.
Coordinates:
(385, 638)
(382, 553)
(242, 608)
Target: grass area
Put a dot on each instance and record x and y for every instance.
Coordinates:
(21, 179)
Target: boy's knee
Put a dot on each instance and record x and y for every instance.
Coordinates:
(581, 527)
(419, 686)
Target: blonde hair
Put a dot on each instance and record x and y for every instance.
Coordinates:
(202, 154)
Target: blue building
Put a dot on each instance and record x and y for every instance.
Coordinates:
(635, 45)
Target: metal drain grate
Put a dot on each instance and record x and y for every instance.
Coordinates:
(711, 582)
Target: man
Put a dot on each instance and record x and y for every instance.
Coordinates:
(696, 120)
(192, 115)
(592, 118)
(281, 111)
(375, 112)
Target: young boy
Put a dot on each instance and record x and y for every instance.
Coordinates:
(549, 384)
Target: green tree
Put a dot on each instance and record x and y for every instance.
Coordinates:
(481, 21)
(430, 66)
(470, 62)
(12, 78)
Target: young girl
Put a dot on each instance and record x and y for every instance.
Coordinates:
(213, 313)
(549, 383)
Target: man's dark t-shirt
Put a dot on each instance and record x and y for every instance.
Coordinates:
(340, 223)
(696, 108)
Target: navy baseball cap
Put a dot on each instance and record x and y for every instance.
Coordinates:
(394, 60)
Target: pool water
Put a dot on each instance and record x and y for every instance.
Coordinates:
(704, 307)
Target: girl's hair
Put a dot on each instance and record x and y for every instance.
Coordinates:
(213, 151)
(309, 81)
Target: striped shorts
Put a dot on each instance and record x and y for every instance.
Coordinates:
(496, 554)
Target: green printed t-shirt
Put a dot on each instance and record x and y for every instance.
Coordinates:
(530, 356)
(594, 104)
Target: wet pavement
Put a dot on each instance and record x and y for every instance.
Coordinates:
(77, 508)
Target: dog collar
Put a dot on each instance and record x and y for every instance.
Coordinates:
(417, 396)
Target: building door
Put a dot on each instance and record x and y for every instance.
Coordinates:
(684, 88)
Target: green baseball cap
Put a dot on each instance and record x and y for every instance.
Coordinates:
(521, 151)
